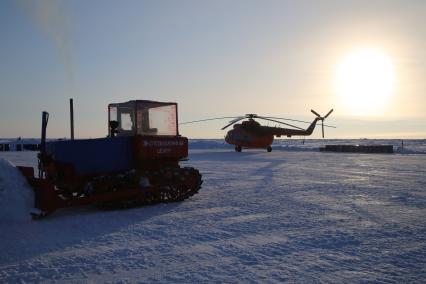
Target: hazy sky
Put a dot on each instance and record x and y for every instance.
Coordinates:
(215, 58)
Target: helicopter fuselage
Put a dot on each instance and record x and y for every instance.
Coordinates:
(251, 134)
(243, 137)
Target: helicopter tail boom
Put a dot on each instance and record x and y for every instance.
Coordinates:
(308, 131)
(311, 127)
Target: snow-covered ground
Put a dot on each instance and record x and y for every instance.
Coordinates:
(293, 215)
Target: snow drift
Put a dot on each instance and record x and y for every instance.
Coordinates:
(16, 195)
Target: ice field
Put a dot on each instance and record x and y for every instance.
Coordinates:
(293, 215)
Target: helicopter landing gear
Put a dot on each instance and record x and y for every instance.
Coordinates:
(269, 148)
(238, 148)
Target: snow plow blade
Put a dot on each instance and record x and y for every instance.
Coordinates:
(45, 198)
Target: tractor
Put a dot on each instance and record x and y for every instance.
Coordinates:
(136, 164)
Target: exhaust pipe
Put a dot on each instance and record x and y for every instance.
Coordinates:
(72, 118)
(44, 120)
(42, 154)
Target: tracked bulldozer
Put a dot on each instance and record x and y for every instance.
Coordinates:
(136, 164)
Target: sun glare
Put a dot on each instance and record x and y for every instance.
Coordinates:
(365, 82)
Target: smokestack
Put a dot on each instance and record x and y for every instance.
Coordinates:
(72, 118)
(44, 121)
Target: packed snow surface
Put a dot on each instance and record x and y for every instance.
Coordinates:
(286, 216)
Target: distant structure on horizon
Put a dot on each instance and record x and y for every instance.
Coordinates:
(19, 144)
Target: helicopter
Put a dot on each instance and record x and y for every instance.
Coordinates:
(251, 134)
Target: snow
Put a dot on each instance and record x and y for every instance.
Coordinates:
(293, 215)
(16, 196)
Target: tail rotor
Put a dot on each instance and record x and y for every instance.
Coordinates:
(322, 119)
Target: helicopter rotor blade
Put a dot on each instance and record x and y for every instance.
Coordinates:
(297, 127)
(314, 112)
(236, 118)
(301, 121)
(251, 115)
(328, 113)
(216, 118)
(283, 118)
(273, 119)
(232, 122)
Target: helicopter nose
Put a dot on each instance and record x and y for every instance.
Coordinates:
(228, 136)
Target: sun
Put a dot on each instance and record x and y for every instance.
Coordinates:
(365, 82)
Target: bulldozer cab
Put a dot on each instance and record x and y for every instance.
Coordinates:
(142, 117)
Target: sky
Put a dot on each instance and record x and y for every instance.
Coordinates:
(214, 58)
